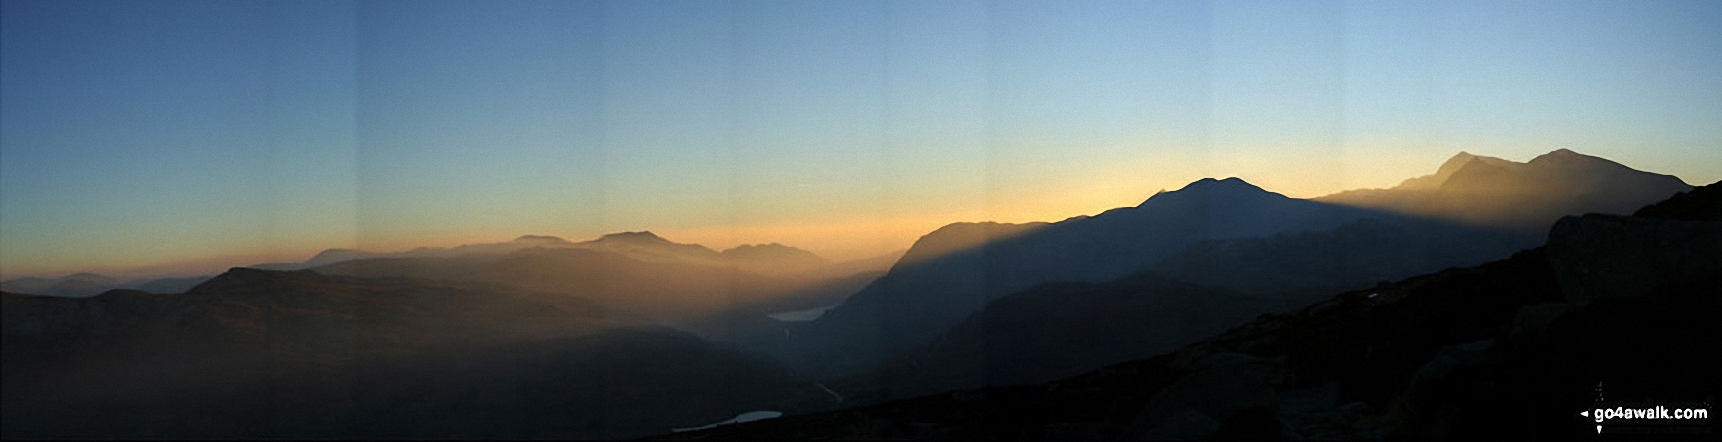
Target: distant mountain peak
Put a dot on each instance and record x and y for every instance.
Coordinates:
(1524, 197)
(1211, 187)
(643, 236)
(1563, 156)
(1232, 183)
(1226, 181)
(770, 252)
(1454, 163)
(765, 246)
(540, 239)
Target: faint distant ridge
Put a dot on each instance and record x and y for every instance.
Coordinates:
(1529, 197)
(78, 285)
(773, 258)
(769, 252)
(280, 345)
(648, 246)
(540, 239)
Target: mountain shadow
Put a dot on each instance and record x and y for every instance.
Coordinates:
(956, 270)
(253, 354)
(1530, 196)
(1058, 330)
(1514, 348)
(639, 275)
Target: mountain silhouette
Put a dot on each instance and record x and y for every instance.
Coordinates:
(333, 256)
(86, 284)
(1057, 330)
(956, 270)
(647, 246)
(1527, 197)
(1513, 348)
(773, 258)
(255, 353)
(646, 277)
(73, 285)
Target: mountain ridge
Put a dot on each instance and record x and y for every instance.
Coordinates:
(1530, 196)
(960, 267)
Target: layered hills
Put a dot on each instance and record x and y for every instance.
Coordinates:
(1529, 196)
(256, 353)
(541, 337)
(1224, 234)
(1615, 306)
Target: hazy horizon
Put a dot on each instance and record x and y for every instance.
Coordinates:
(171, 137)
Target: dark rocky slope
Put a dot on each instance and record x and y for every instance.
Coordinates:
(256, 353)
(1509, 349)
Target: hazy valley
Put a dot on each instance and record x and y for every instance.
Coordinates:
(1203, 311)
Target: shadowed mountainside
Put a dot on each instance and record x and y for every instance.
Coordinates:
(956, 270)
(256, 353)
(1357, 254)
(1058, 330)
(1513, 348)
(1529, 196)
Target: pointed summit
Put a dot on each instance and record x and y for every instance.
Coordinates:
(1453, 164)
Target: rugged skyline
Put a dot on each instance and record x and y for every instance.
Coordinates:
(543, 337)
(1561, 182)
(142, 133)
(858, 219)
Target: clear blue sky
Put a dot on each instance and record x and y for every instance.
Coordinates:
(155, 132)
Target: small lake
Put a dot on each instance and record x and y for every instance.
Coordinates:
(738, 419)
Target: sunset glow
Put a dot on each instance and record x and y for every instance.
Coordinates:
(152, 135)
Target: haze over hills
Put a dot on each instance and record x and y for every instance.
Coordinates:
(646, 277)
(1473, 209)
(1510, 348)
(848, 220)
(641, 245)
(91, 284)
(1282, 270)
(1530, 196)
(954, 271)
(1222, 234)
(970, 305)
(256, 353)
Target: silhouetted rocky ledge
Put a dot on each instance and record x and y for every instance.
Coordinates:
(1600, 256)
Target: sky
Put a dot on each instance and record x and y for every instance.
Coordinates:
(182, 136)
